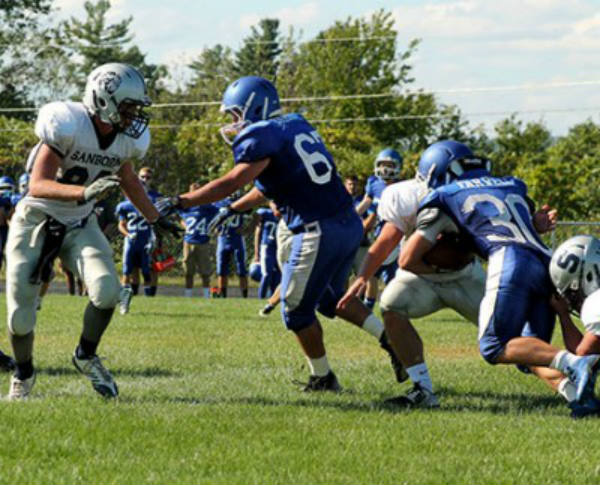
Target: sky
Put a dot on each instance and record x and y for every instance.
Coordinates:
(536, 58)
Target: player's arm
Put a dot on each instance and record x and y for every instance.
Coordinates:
(389, 237)
(135, 192)
(572, 337)
(240, 175)
(369, 222)
(431, 223)
(257, 231)
(43, 182)
(364, 205)
(123, 227)
(545, 219)
(251, 199)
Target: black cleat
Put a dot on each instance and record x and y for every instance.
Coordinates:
(399, 369)
(7, 363)
(322, 383)
(417, 397)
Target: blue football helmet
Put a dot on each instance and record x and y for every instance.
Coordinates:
(255, 271)
(448, 160)
(23, 183)
(7, 184)
(382, 168)
(250, 99)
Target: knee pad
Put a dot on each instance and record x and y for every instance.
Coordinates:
(104, 292)
(22, 321)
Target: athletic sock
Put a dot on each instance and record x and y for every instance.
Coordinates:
(135, 287)
(419, 374)
(373, 325)
(567, 390)
(86, 348)
(319, 367)
(563, 360)
(24, 370)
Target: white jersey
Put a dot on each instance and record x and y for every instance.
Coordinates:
(590, 313)
(69, 130)
(399, 204)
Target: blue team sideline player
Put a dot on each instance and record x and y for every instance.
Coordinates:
(137, 250)
(265, 251)
(515, 318)
(7, 191)
(289, 164)
(230, 242)
(197, 255)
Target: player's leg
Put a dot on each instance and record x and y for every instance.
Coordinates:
(189, 269)
(23, 251)
(272, 269)
(127, 292)
(145, 258)
(410, 296)
(240, 266)
(223, 255)
(90, 252)
(513, 285)
(203, 262)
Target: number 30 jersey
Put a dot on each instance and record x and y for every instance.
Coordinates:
(494, 211)
(301, 177)
(69, 130)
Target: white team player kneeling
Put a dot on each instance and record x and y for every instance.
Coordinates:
(85, 150)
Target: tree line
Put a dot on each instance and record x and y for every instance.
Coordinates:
(42, 59)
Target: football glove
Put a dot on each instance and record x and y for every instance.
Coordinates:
(164, 226)
(168, 205)
(217, 221)
(100, 188)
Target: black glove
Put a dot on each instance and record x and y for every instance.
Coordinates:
(168, 205)
(217, 221)
(165, 226)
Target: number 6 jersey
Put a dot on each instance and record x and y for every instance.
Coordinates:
(68, 129)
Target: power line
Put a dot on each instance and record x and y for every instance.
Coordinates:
(384, 118)
(342, 97)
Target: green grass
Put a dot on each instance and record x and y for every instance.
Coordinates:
(207, 397)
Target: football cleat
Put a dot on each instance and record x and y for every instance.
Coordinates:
(587, 406)
(20, 389)
(101, 379)
(125, 299)
(7, 363)
(417, 397)
(583, 375)
(322, 383)
(268, 308)
(399, 369)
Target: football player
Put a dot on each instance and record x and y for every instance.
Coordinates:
(515, 317)
(265, 250)
(7, 191)
(196, 244)
(85, 151)
(23, 186)
(289, 164)
(575, 272)
(231, 242)
(386, 171)
(146, 175)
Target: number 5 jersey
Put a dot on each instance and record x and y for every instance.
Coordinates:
(68, 129)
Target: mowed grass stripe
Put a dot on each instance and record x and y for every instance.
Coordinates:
(207, 397)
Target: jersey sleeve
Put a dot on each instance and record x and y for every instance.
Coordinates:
(120, 212)
(140, 145)
(257, 142)
(590, 313)
(431, 222)
(56, 126)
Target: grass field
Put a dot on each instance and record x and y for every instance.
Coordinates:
(207, 397)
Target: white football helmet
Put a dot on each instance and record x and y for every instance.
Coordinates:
(117, 94)
(575, 269)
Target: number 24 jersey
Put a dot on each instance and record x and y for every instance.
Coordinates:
(68, 129)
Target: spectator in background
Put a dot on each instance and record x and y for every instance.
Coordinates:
(265, 250)
(197, 251)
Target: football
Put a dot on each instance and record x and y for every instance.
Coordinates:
(451, 252)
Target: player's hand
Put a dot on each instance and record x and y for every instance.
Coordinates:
(131, 236)
(545, 219)
(165, 226)
(168, 205)
(100, 188)
(356, 289)
(217, 221)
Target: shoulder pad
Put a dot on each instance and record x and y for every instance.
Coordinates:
(56, 125)
(257, 142)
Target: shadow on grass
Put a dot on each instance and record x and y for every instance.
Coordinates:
(146, 372)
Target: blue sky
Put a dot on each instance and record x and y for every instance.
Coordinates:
(466, 45)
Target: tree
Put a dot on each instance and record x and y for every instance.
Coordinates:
(260, 51)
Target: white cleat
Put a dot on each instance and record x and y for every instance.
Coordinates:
(19, 390)
(583, 374)
(125, 300)
(101, 379)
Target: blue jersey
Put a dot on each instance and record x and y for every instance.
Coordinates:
(301, 177)
(269, 226)
(232, 226)
(494, 211)
(196, 220)
(136, 224)
(374, 189)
